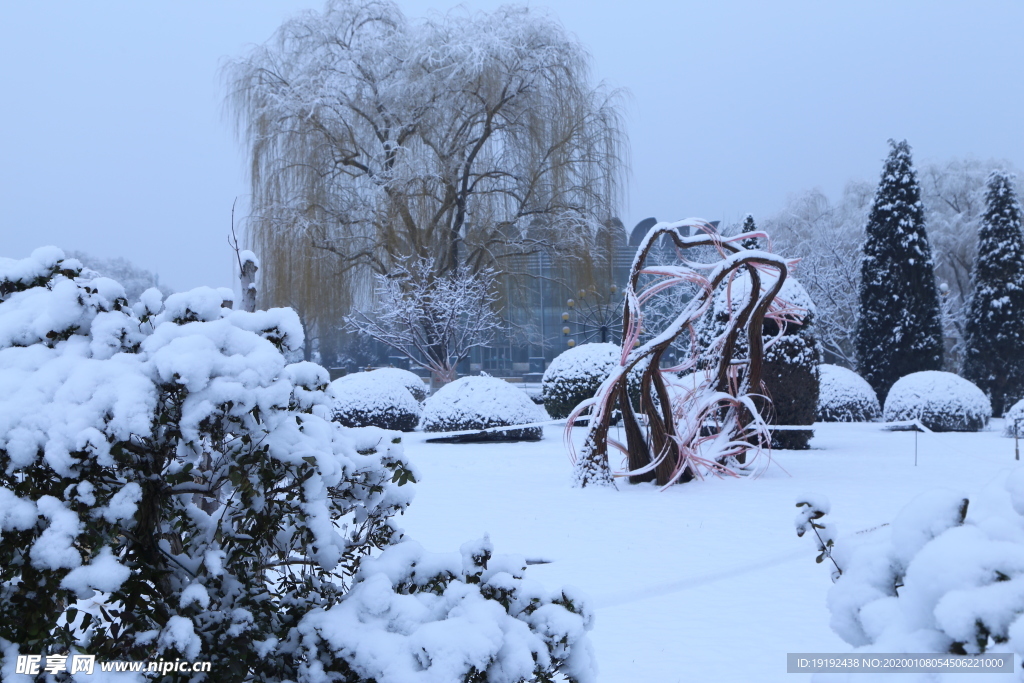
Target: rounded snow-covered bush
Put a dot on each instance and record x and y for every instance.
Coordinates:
(845, 396)
(575, 375)
(409, 380)
(479, 403)
(1013, 420)
(363, 399)
(942, 401)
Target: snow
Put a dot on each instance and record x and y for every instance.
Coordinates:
(103, 573)
(180, 635)
(195, 593)
(941, 400)
(792, 296)
(478, 402)
(845, 396)
(53, 549)
(122, 505)
(201, 303)
(669, 573)
(945, 572)
(583, 362)
(364, 398)
(246, 256)
(411, 381)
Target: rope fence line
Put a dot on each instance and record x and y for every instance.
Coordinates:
(891, 426)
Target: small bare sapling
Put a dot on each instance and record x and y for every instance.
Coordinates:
(813, 508)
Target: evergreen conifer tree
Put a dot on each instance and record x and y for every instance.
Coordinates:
(994, 356)
(899, 329)
(749, 226)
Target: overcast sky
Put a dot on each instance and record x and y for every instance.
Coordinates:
(113, 140)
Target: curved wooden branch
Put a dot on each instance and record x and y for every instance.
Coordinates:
(656, 447)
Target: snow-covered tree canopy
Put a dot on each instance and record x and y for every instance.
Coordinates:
(466, 138)
(170, 488)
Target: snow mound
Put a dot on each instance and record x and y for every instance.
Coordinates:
(845, 396)
(363, 400)
(575, 375)
(1011, 417)
(411, 381)
(948, 577)
(942, 401)
(479, 403)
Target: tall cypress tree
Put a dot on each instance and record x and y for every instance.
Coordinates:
(899, 330)
(994, 358)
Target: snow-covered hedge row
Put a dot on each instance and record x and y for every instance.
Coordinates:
(845, 396)
(947, 576)
(479, 402)
(170, 487)
(942, 401)
(574, 376)
(373, 399)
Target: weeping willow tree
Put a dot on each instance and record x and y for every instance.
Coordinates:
(471, 140)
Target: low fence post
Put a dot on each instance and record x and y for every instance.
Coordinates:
(1016, 439)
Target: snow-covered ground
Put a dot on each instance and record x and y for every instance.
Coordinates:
(706, 581)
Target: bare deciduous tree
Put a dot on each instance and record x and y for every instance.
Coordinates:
(434, 320)
(827, 239)
(953, 194)
(466, 139)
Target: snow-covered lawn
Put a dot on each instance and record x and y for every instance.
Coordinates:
(706, 581)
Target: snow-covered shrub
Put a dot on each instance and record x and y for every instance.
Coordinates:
(487, 623)
(944, 577)
(574, 376)
(942, 401)
(845, 396)
(410, 380)
(1013, 420)
(171, 488)
(479, 402)
(363, 399)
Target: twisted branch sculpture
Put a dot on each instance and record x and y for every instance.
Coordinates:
(685, 433)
